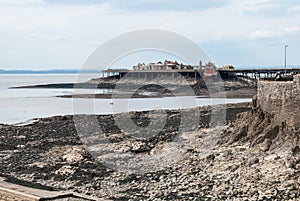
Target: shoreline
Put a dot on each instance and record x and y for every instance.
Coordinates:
(242, 93)
(32, 119)
(54, 156)
(137, 90)
(246, 160)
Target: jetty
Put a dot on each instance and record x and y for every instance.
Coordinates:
(173, 70)
(256, 73)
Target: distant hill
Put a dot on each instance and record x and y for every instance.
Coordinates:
(48, 71)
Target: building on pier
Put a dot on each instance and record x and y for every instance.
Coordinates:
(166, 69)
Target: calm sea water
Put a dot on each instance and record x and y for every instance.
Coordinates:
(21, 105)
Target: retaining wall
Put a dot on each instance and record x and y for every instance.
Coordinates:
(280, 98)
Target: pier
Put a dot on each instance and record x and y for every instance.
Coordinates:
(250, 74)
(151, 74)
(255, 74)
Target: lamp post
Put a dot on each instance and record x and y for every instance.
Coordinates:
(285, 48)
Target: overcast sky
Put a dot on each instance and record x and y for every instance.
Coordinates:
(60, 34)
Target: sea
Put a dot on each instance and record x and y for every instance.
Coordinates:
(19, 106)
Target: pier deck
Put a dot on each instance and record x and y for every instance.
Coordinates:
(251, 73)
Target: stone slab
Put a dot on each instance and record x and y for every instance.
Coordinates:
(15, 192)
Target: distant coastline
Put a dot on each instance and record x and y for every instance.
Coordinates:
(48, 71)
(77, 71)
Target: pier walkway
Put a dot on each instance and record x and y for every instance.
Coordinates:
(255, 73)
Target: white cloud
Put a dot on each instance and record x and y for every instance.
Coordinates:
(21, 2)
(275, 33)
(57, 38)
(174, 5)
(258, 5)
(265, 34)
(46, 37)
(269, 8)
(291, 30)
(294, 9)
(46, 17)
(80, 25)
(149, 5)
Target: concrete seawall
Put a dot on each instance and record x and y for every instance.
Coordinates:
(281, 99)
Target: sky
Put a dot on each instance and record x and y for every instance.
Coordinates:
(61, 34)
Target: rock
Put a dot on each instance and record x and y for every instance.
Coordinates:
(265, 146)
(21, 146)
(239, 135)
(138, 147)
(192, 177)
(253, 161)
(272, 157)
(227, 153)
(65, 170)
(295, 150)
(174, 190)
(233, 167)
(210, 158)
(290, 163)
(73, 155)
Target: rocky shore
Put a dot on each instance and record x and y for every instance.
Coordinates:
(254, 158)
(232, 152)
(237, 152)
(50, 154)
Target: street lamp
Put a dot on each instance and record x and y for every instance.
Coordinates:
(285, 47)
